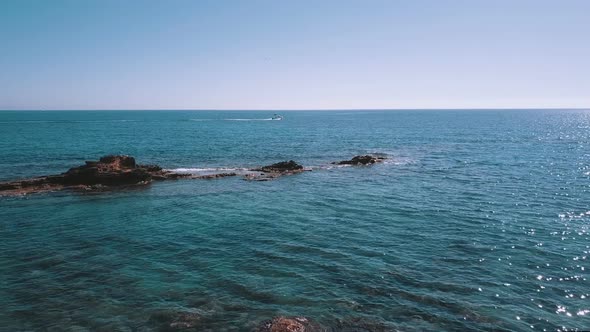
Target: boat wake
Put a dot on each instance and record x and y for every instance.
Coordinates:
(265, 119)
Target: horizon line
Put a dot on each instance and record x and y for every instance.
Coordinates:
(294, 109)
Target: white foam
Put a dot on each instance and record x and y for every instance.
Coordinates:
(398, 161)
(206, 169)
(332, 166)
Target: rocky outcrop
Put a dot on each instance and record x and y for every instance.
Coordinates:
(118, 170)
(361, 160)
(282, 167)
(290, 324)
(274, 171)
(109, 171)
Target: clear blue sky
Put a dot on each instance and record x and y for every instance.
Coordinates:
(176, 54)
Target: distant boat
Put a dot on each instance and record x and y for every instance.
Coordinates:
(277, 117)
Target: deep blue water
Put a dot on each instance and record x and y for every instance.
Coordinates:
(478, 221)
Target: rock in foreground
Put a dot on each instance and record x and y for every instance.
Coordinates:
(361, 160)
(289, 324)
(109, 171)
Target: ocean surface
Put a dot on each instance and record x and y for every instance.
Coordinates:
(478, 221)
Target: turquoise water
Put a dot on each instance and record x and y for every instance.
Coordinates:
(478, 221)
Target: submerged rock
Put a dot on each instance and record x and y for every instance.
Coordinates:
(261, 176)
(358, 324)
(361, 160)
(214, 176)
(175, 320)
(290, 324)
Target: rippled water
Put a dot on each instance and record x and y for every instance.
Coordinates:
(478, 221)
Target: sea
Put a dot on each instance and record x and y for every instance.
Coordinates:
(477, 221)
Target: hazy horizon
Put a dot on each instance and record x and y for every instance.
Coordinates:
(301, 110)
(265, 55)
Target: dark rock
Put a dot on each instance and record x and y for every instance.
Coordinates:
(151, 168)
(282, 167)
(96, 176)
(216, 176)
(361, 160)
(122, 171)
(275, 170)
(164, 175)
(290, 324)
(109, 171)
(159, 177)
(118, 161)
(106, 176)
(8, 186)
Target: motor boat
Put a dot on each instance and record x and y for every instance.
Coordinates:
(277, 117)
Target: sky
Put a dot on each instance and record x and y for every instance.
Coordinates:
(305, 54)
